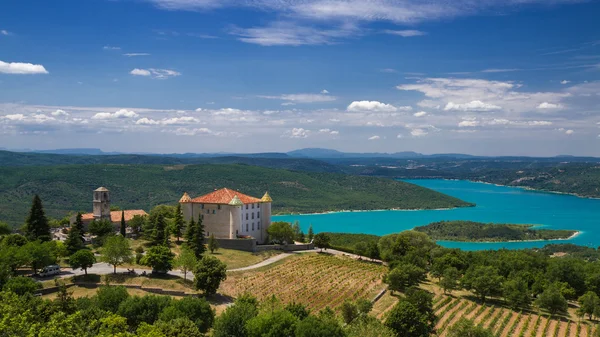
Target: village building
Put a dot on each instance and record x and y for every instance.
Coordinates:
(101, 210)
(229, 214)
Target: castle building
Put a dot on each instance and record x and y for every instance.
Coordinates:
(230, 214)
(101, 210)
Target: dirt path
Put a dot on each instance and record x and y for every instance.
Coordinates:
(551, 328)
(562, 331)
(573, 332)
(520, 326)
(478, 319)
(540, 330)
(497, 312)
(532, 325)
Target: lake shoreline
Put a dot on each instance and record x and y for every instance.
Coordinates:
(527, 188)
(574, 235)
(373, 210)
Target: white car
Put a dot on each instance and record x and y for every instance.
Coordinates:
(50, 270)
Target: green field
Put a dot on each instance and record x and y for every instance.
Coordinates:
(69, 188)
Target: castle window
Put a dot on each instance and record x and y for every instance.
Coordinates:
(258, 225)
(258, 215)
(246, 206)
(246, 216)
(252, 206)
(246, 227)
(218, 206)
(214, 211)
(253, 216)
(202, 205)
(253, 226)
(208, 211)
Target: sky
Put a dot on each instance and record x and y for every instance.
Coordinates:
(487, 77)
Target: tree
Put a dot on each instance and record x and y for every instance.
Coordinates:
(143, 309)
(122, 230)
(159, 258)
(136, 224)
(198, 310)
(109, 298)
(160, 234)
(190, 233)
(552, 300)
(208, 274)
(406, 320)
(449, 280)
(38, 255)
(79, 225)
(484, 281)
(178, 327)
(101, 228)
(297, 231)
(196, 241)
(281, 232)
(403, 276)
(364, 306)
(116, 251)
(73, 241)
(589, 304)
(278, 323)
(310, 234)
(298, 309)
(321, 241)
(22, 285)
(186, 260)
(82, 259)
(36, 225)
(232, 321)
(516, 293)
(466, 328)
(5, 229)
(360, 248)
(367, 326)
(372, 251)
(178, 223)
(349, 311)
(213, 244)
(313, 326)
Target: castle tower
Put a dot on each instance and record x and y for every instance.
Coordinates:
(265, 220)
(187, 207)
(101, 204)
(235, 216)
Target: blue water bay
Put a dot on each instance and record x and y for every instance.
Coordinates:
(497, 204)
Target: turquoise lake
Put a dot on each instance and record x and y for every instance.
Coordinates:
(499, 204)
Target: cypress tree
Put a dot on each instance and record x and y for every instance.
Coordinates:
(79, 225)
(198, 238)
(159, 237)
(178, 222)
(123, 231)
(73, 242)
(311, 234)
(36, 225)
(189, 235)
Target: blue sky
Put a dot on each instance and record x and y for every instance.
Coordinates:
(516, 77)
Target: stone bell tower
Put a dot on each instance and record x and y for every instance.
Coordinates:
(101, 204)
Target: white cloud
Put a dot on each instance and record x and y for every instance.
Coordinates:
(179, 120)
(297, 133)
(324, 92)
(418, 132)
(546, 105)
(375, 106)
(155, 73)
(60, 112)
(135, 54)
(399, 136)
(123, 113)
(292, 34)
(302, 98)
(569, 132)
(42, 118)
(15, 117)
(374, 137)
(329, 131)
(21, 68)
(194, 132)
(468, 124)
(405, 33)
(496, 70)
(420, 114)
(146, 121)
(288, 103)
(565, 82)
(199, 110)
(111, 48)
(388, 70)
(471, 106)
(4, 32)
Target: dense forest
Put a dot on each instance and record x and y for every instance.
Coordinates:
(471, 231)
(69, 188)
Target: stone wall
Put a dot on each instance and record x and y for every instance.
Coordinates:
(248, 245)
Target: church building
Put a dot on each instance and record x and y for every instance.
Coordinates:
(230, 214)
(101, 210)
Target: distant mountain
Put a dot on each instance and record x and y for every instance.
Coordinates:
(84, 151)
(328, 153)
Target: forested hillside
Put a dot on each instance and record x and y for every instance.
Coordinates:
(69, 188)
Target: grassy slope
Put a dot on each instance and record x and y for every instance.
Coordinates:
(69, 188)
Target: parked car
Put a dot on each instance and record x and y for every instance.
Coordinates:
(50, 270)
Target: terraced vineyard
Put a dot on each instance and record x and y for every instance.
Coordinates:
(316, 280)
(502, 321)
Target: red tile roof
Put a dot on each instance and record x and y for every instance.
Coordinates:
(224, 196)
(115, 216)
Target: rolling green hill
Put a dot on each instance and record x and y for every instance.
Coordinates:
(69, 188)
